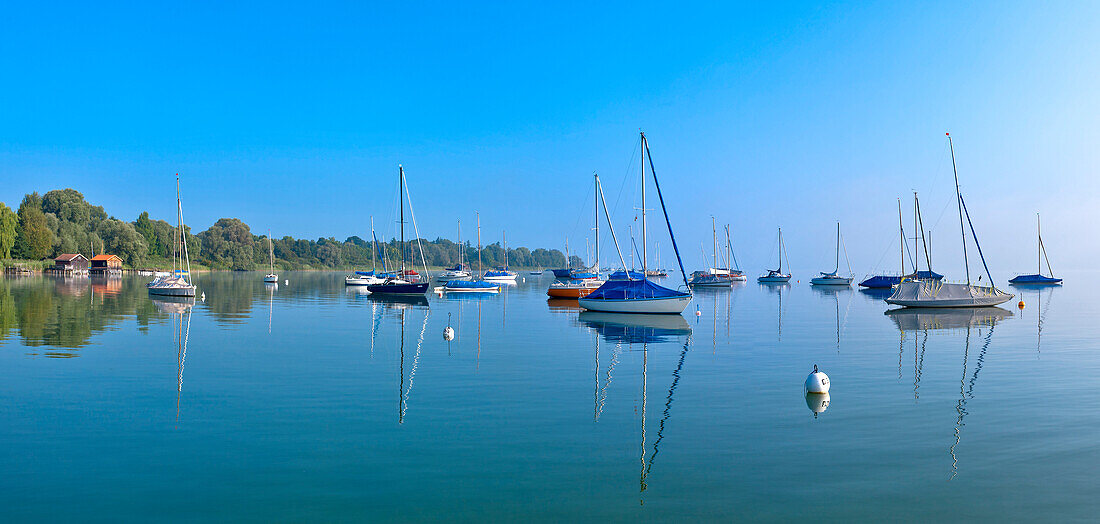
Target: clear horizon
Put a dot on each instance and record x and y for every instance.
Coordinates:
(798, 116)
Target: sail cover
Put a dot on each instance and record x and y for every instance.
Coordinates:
(632, 290)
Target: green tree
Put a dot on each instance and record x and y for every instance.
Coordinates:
(35, 240)
(9, 229)
(120, 238)
(227, 244)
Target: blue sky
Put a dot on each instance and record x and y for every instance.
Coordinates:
(294, 117)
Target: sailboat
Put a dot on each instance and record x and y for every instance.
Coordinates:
(472, 286)
(458, 272)
(178, 283)
(832, 278)
(271, 278)
(366, 278)
(777, 275)
(935, 293)
(641, 295)
(581, 286)
(501, 274)
(714, 276)
(398, 285)
(1039, 278)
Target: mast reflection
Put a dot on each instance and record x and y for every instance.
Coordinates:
(179, 309)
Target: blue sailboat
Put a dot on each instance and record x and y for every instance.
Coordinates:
(476, 285)
(639, 295)
(1039, 278)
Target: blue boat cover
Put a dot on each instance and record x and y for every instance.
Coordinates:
(497, 273)
(561, 273)
(584, 274)
(471, 284)
(621, 275)
(632, 290)
(881, 281)
(926, 275)
(1034, 279)
(365, 273)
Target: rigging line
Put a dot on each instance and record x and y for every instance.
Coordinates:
(845, 248)
(979, 246)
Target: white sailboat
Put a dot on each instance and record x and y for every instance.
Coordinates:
(367, 278)
(936, 293)
(178, 283)
(832, 278)
(271, 278)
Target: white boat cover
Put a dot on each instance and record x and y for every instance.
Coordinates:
(936, 293)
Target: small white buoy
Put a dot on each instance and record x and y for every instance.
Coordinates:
(817, 402)
(203, 296)
(817, 382)
(523, 279)
(286, 282)
(448, 333)
(697, 312)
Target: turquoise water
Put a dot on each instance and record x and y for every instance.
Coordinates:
(312, 402)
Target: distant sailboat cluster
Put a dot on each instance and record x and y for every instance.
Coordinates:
(628, 289)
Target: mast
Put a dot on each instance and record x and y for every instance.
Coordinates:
(461, 249)
(271, 251)
(901, 231)
(596, 223)
(916, 232)
(401, 204)
(779, 252)
(958, 198)
(478, 215)
(837, 270)
(645, 272)
(1039, 230)
(183, 240)
(714, 236)
(504, 236)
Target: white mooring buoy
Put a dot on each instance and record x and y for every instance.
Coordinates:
(448, 332)
(817, 382)
(203, 296)
(286, 282)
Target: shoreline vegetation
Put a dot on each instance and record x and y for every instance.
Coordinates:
(61, 221)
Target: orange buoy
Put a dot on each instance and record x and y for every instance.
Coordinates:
(1020, 304)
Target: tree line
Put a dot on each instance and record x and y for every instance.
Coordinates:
(61, 221)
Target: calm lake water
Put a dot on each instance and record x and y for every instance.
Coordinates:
(312, 402)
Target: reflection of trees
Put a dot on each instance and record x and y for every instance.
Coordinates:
(49, 312)
(229, 300)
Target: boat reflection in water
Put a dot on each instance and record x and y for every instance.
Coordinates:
(399, 301)
(643, 329)
(635, 328)
(179, 308)
(977, 323)
(564, 304)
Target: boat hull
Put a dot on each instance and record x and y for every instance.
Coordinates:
(774, 280)
(509, 278)
(407, 288)
(271, 279)
(881, 282)
(173, 291)
(830, 281)
(664, 305)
